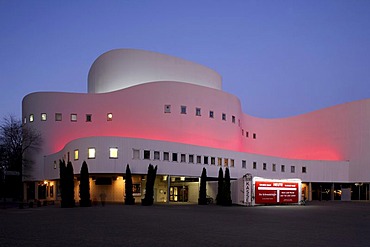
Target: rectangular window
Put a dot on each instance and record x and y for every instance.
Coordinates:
(113, 153)
(205, 158)
(244, 164)
(136, 154)
(183, 109)
(191, 158)
(274, 167)
(213, 161)
(88, 117)
(156, 155)
(43, 116)
(233, 119)
(282, 168)
(254, 135)
(226, 162)
(199, 159)
(254, 165)
(242, 132)
(25, 120)
(219, 161)
(76, 154)
(197, 111)
(166, 156)
(211, 114)
(246, 134)
(304, 170)
(73, 117)
(31, 118)
(264, 166)
(91, 153)
(167, 108)
(183, 158)
(292, 169)
(174, 157)
(110, 116)
(224, 116)
(146, 154)
(231, 163)
(58, 116)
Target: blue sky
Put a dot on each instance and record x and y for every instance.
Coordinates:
(280, 58)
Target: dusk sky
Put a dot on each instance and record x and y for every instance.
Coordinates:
(280, 58)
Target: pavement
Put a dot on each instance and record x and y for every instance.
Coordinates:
(316, 224)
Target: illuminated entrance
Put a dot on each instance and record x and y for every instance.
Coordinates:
(179, 193)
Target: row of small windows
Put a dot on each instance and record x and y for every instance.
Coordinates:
(91, 153)
(59, 117)
(273, 167)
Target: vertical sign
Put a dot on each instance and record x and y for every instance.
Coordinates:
(248, 189)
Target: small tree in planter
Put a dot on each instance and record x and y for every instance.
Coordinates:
(220, 189)
(84, 186)
(202, 200)
(70, 185)
(227, 189)
(129, 198)
(63, 189)
(149, 187)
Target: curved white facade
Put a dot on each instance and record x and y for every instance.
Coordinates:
(153, 108)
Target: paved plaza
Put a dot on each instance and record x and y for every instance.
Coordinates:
(316, 224)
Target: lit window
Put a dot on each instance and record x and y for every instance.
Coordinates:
(226, 162)
(183, 158)
(206, 160)
(43, 116)
(31, 117)
(254, 165)
(156, 155)
(304, 170)
(88, 117)
(146, 154)
(109, 116)
(224, 116)
(213, 161)
(91, 153)
(282, 168)
(292, 169)
(174, 157)
(183, 109)
(73, 117)
(76, 154)
(58, 116)
(231, 163)
(191, 158)
(197, 111)
(233, 119)
(274, 167)
(211, 114)
(166, 156)
(219, 161)
(254, 135)
(113, 153)
(136, 154)
(264, 166)
(244, 164)
(167, 108)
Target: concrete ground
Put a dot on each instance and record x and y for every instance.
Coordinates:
(316, 224)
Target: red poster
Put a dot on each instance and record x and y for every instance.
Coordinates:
(274, 192)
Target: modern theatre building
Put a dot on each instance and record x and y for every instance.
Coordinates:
(148, 108)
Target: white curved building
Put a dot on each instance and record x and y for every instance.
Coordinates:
(144, 107)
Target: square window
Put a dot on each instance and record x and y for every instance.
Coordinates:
(219, 161)
(167, 108)
(292, 169)
(206, 160)
(146, 154)
(31, 118)
(58, 116)
(109, 116)
(244, 164)
(282, 168)
(88, 117)
(91, 153)
(199, 159)
(274, 167)
(183, 109)
(76, 154)
(183, 158)
(211, 114)
(224, 116)
(304, 170)
(174, 157)
(197, 111)
(113, 153)
(213, 161)
(166, 156)
(233, 119)
(156, 155)
(73, 117)
(254, 165)
(136, 154)
(226, 162)
(191, 158)
(43, 116)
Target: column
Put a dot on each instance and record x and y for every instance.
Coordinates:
(168, 188)
(309, 191)
(332, 192)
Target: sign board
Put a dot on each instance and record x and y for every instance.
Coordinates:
(247, 189)
(277, 191)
